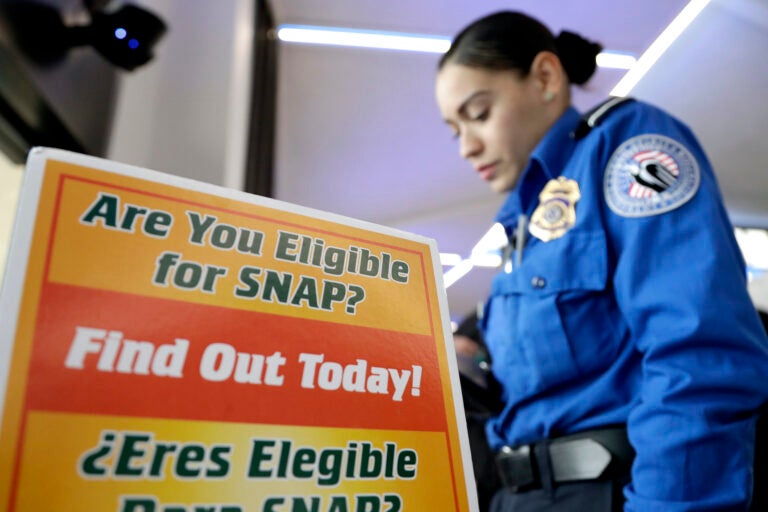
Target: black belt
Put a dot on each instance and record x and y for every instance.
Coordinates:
(591, 455)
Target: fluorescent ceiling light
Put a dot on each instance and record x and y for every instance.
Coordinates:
(485, 253)
(659, 46)
(338, 36)
(487, 260)
(450, 259)
(615, 60)
(493, 239)
(363, 38)
(754, 246)
(457, 273)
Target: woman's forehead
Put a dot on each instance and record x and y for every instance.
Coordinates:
(455, 81)
(458, 74)
(456, 84)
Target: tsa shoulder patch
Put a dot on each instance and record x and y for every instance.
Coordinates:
(650, 174)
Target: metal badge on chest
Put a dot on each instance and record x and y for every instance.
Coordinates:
(556, 213)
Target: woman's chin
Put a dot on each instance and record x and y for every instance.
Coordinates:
(502, 184)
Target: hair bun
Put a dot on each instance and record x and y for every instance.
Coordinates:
(579, 56)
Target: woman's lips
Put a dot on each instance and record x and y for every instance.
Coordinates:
(486, 172)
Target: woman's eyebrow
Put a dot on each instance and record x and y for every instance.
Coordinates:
(464, 104)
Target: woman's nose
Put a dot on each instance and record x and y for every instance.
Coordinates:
(469, 145)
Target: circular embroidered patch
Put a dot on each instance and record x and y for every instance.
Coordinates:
(648, 175)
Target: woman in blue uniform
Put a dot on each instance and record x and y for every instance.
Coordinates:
(631, 359)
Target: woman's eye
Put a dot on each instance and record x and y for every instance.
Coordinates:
(480, 116)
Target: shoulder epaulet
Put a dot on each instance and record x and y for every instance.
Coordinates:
(595, 116)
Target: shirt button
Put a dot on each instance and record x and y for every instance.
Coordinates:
(538, 282)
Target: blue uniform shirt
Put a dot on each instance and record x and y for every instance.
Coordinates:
(638, 313)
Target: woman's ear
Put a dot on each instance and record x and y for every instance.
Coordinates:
(548, 75)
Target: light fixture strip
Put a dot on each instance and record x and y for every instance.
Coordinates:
(337, 36)
(449, 259)
(659, 46)
(457, 273)
(615, 60)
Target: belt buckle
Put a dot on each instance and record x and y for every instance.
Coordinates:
(516, 467)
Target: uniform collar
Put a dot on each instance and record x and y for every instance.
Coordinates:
(547, 162)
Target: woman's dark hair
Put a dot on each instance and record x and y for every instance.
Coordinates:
(510, 40)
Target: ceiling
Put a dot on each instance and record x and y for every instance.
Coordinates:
(359, 134)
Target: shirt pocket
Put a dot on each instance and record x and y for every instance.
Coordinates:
(554, 319)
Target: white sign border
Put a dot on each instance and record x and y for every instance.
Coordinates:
(23, 230)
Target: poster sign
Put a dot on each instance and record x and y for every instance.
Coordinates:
(171, 346)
